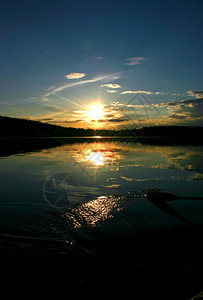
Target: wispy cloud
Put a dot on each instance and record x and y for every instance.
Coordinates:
(187, 112)
(75, 75)
(177, 116)
(197, 94)
(111, 91)
(45, 119)
(186, 103)
(54, 89)
(113, 120)
(99, 57)
(118, 120)
(121, 115)
(137, 92)
(125, 178)
(135, 60)
(68, 121)
(111, 85)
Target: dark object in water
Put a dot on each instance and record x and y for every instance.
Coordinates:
(159, 199)
(168, 196)
(199, 296)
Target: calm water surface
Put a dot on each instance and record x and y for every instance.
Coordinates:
(78, 215)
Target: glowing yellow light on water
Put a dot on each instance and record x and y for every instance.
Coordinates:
(97, 158)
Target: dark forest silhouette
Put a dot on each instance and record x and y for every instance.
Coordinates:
(15, 127)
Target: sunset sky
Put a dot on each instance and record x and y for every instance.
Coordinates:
(102, 64)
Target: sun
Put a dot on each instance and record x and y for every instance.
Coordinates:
(95, 112)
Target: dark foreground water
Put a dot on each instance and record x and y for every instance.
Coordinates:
(75, 218)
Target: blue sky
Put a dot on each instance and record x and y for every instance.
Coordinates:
(60, 58)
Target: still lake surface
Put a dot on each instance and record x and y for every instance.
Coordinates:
(75, 214)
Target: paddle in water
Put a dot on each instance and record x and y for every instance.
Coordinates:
(160, 198)
(156, 195)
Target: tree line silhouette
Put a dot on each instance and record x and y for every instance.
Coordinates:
(15, 127)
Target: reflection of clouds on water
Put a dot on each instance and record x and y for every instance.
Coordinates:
(141, 162)
(110, 167)
(132, 164)
(121, 168)
(113, 186)
(197, 176)
(96, 158)
(116, 155)
(99, 155)
(187, 160)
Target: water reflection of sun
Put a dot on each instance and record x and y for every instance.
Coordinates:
(99, 155)
(95, 211)
(98, 158)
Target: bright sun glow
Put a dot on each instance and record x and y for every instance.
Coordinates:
(96, 158)
(95, 112)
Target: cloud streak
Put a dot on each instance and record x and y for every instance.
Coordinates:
(197, 94)
(75, 75)
(111, 91)
(111, 85)
(177, 116)
(137, 92)
(55, 90)
(189, 103)
(187, 112)
(135, 60)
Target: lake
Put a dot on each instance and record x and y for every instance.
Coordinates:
(75, 214)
